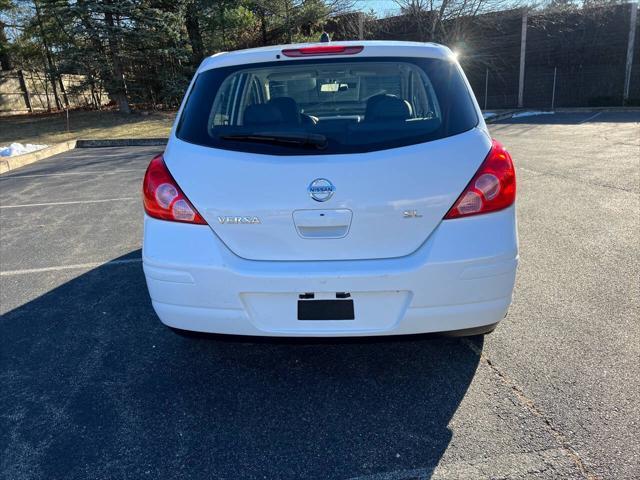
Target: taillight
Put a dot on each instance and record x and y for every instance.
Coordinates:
(163, 198)
(492, 188)
(322, 50)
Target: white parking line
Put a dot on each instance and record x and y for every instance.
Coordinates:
(70, 267)
(76, 202)
(104, 172)
(590, 118)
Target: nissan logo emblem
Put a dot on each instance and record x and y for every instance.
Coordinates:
(321, 189)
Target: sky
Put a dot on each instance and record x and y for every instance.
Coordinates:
(381, 7)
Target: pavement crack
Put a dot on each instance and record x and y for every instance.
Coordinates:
(565, 177)
(533, 409)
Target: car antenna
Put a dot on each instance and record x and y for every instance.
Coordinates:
(324, 38)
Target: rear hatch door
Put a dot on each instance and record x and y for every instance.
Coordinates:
(381, 204)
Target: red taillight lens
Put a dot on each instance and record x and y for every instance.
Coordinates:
(492, 188)
(322, 50)
(163, 198)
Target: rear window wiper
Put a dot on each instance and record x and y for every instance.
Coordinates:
(293, 139)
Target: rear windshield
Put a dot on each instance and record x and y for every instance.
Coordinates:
(327, 106)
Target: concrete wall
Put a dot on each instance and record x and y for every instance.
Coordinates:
(23, 92)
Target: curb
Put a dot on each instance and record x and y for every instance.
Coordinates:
(500, 116)
(11, 163)
(508, 114)
(122, 142)
(596, 109)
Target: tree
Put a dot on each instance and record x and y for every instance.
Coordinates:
(117, 83)
(134, 47)
(438, 20)
(52, 70)
(5, 55)
(6, 62)
(143, 52)
(286, 21)
(192, 25)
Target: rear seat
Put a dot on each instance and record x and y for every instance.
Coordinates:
(278, 110)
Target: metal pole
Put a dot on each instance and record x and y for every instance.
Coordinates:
(632, 37)
(25, 91)
(360, 26)
(486, 87)
(553, 94)
(523, 51)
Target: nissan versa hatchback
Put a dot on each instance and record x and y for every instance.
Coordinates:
(332, 189)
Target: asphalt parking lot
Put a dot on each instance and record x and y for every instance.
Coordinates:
(93, 386)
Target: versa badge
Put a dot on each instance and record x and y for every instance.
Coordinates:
(238, 220)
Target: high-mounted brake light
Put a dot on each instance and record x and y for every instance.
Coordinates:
(163, 198)
(322, 50)
(492, 188)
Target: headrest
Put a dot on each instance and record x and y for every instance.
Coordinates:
(387, 107)
(262, 114)
(288, 108)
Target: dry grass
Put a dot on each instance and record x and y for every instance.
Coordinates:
(51, 128)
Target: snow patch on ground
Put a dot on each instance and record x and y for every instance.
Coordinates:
(19, 149)
(530, 114)
(486, 115)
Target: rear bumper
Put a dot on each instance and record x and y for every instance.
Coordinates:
(461, 277)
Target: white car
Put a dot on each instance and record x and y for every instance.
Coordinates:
(331, 189)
